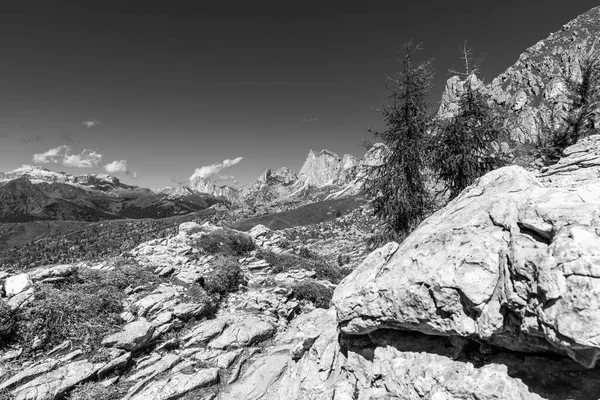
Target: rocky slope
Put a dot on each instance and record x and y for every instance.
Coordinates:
(532, 91)
(494, 296)
(470, 306)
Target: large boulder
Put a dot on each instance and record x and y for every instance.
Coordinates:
(509, 262)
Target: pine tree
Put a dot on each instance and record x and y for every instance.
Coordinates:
(397, 185)
(583, 97)
(463, 149)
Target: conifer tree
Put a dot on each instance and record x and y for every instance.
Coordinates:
(397, 185)
(463, 149)
(583, 98)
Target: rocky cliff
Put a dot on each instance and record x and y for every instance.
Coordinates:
(270, 186)
(532, 91)
(208, 187)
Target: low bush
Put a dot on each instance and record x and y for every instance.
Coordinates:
(7, 320)
(305, 253)
(285, 262)
(226, 242)
(225, 278)
(95, 391)
(85, 308)
(312, 291)
(6, 395)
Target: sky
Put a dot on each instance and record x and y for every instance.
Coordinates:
(158, 91)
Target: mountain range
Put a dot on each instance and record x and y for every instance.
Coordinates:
(34, 193)
(323, 176)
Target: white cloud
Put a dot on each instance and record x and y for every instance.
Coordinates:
(120, 166)
(52, 155)
(214, 172)
(117, 166)
(90, 124)
(87, 159)
(62, 154)
(309, 120)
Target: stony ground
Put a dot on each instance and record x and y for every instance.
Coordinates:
(173, 339)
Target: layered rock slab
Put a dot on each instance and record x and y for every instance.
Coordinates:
(509, 262)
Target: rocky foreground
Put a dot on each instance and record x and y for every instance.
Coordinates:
(495, 296)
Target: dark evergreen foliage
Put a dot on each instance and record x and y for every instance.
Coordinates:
(583, 97)
(463, 149)
(397, 186)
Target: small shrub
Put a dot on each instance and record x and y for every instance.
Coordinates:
(285, 244)
(328, 271)
(226, 277)
(305, 253)
(7, 320)
(95, 391)
(312, 291)
(225, 242)
(285, 262)
(6, 395)
(342, 260)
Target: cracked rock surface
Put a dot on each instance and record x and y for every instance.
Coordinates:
(510, 262)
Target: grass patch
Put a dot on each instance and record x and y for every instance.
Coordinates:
(312, 291)
(226, 242)
(84, 309)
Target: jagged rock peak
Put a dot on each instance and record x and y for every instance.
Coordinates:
(320, 168)
(211, 188)
(282, 175)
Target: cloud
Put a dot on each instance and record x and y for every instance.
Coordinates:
(90, 124)
(3, 135)
(214, 172)
(309, 120)
(117, 166)
(86, 159)
(62, 154)
(120, 166)
(52, 155)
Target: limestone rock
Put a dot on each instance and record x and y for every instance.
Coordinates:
(16, 284)
(205, 331)
(188, 228)
(55, 384)
(29, 373)
(579, 165)
(134, 336)
(509, 262)
(243, 332)
(177, 384)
